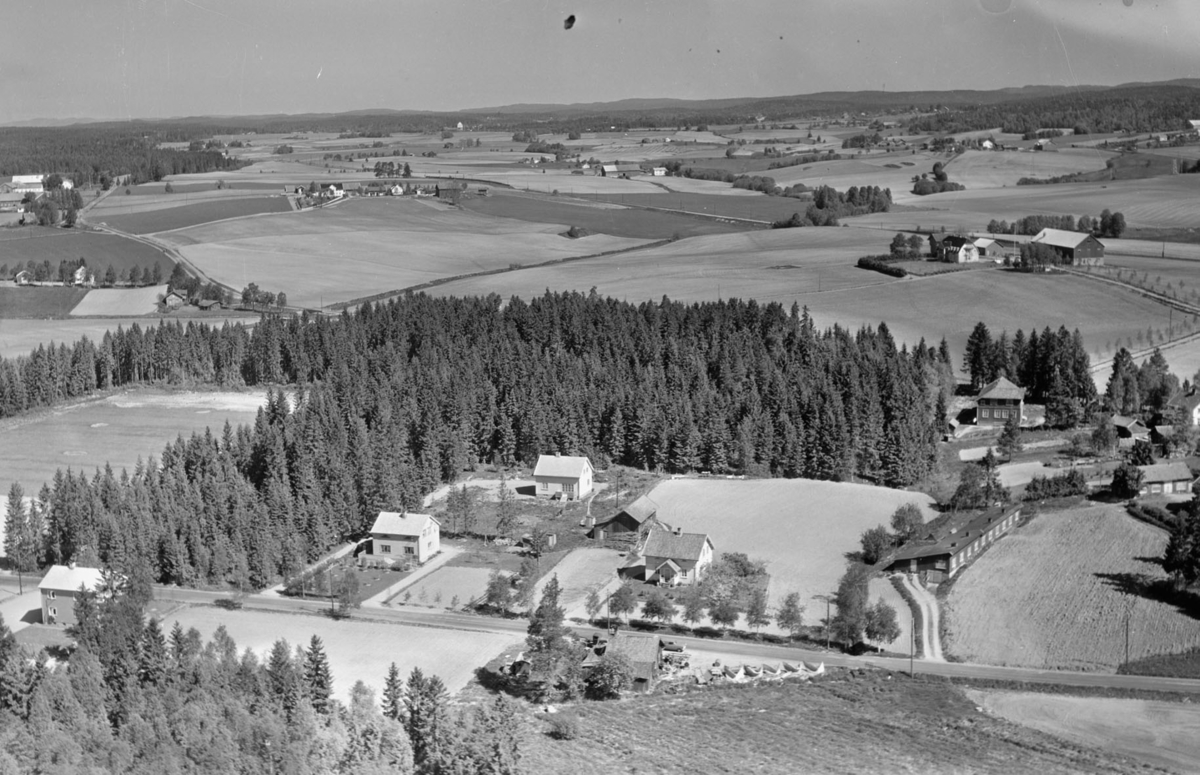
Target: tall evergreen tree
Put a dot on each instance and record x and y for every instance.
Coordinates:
(317, 677)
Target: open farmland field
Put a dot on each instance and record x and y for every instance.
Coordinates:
(580, 572)
(868, 171)
(1188, 152)
(759, 207)
(597, 216)
(996, 169)
(184, 216)
(843, 723)
(187, 184)
(802, 528)
(692, 186)
(119, 429)
(39, 302)
(566, 183)
(19, 337)
(1054, 594)
(768, 265)
(1159, 733)
(119, 302)
(356, 650)
(380, 244)
(100, 250)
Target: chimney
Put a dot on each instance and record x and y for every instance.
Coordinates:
(678, 531)
(71, 565)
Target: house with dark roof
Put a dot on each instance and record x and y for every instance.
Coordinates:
(1167, 478)
(998, 401)
(1129, 430)
(403, 537)
(676, 557)
(644, 652)
(1076, 248)
(957, 250)
(564, 476)
(448, 190)
(633, 520)
(1187, 403)
(59, 587)
(961, 542)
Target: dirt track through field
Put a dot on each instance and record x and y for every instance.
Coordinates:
(930, 620)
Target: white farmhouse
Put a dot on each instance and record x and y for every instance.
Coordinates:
(400, 537)
(562, 475)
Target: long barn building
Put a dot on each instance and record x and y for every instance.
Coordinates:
(958, 545)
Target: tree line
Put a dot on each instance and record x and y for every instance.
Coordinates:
(401, 396)
(829, 205)
(133, 699)
(1053, 367)
(42, 272)
(1109, 224)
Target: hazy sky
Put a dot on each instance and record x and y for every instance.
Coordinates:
(158, 58)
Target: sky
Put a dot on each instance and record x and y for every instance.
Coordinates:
(162, 58)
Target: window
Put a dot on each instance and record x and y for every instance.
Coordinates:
(52, 594)
(545, 485)
(569, 489)
(385, 548)
(409, 550)
(986, 413)
(54, 612)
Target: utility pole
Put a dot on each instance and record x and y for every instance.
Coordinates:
(912, 643)
(828, 599)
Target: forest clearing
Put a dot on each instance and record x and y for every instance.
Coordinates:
(1056, 594)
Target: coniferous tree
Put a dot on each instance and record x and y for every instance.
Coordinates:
(317, 676)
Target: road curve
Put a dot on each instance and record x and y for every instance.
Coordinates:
(751, 651)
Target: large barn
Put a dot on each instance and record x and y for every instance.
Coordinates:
(1076, 248)
(948, 552)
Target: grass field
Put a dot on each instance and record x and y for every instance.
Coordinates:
(440, 588)
(814, 267)
(759, 207)
(1055, 593)
(379, 244)
(580, 572)
(801, 528)
(1159, 733)
(99, 250)
(996, 169)
(119, 429)
(841, 724)
(119, 302)
(192, 214)
(39, 302)
(597, 216)
(356, 649)
(768, 265)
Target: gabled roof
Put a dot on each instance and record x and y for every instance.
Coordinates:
(67, 578)
(1186, 401)
(561, 465)
(964, 532)
(675, 546)
(1177, 471)
(1131, 424)
(1060, 238)
(640, 510)
(641, 650)
(1003, 389)
(395, 523)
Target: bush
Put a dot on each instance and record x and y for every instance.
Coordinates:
(564, 726)
(882, 264)
(1062, 485)
(1153, 515)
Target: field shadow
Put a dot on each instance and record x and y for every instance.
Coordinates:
(1159, 590)
(527, 489)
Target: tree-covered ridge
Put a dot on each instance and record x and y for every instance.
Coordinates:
(400, 396)
(133, 699)
(1135, 109)
(99, 154)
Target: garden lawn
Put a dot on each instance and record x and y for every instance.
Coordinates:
(1054, 594)
(801, 528)
(440, 588)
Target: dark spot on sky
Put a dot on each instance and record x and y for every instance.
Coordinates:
(1128, 3)
(569, 22)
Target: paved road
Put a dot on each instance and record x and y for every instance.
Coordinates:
(751, 651)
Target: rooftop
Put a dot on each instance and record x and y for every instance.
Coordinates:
(1060, 238)
(675, 546)
(395, 523)
(561, 465)
(1177, 471)
(66, 577)
(958, 537)
(641, 509)
(1002, 388)
(641, 650)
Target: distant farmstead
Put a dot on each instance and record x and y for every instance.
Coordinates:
(449, 191)
(563, 476)
(1076, 248)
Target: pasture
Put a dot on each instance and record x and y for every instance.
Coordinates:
(119, 429)
(802, 528)
(119, 302)
(99, 250)
(356, 649)
(183, 216)
(1159, 733)
(379, 244)
(39, 302)
(769, 265)
(996, 169)
(603, 217)
(1055, 594)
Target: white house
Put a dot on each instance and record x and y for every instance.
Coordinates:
(401, 537)
(987, 145)
(563, 475)
(659, 172)
(59, 587)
